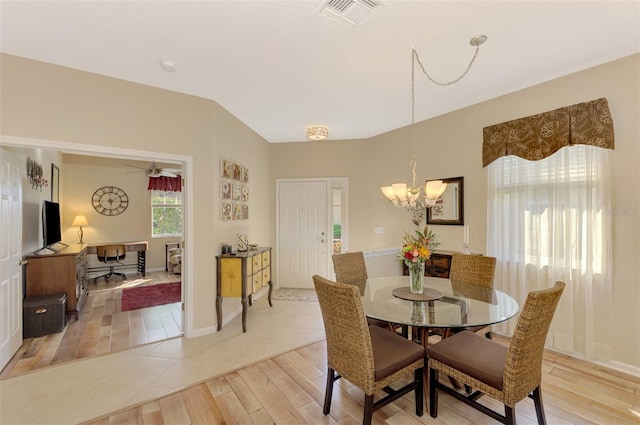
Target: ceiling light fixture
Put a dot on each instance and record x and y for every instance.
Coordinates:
(168, 65)
(409, 197)
(317, 132)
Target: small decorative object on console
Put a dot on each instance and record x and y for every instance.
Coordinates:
(243, 245)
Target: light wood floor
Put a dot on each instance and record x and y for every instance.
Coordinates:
(101, 327)
(289, 389)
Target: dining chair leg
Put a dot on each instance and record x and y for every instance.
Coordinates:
(329, 391)
(433, 392)
(368, 409)
(419, 390)
(509, 415)
(537, 401)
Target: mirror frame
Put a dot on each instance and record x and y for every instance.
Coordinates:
(450, 195)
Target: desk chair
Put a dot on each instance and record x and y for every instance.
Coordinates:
(111, 255)
(369, 357)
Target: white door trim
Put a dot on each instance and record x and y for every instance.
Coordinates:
(332, 183)
(187, 201)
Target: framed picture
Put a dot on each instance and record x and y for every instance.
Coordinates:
(55, 183)
(237, 171)
(245, 212)
(244, 175)
(237, 192)
(237, 212)
(225, 190)
(245, 193)
(226, 213)
(226, 168)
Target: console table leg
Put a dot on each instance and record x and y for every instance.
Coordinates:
(244, 314)
(270, 290)
(219, 311)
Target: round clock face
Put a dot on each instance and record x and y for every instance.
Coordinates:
(110, 200)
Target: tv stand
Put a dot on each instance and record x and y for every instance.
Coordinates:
(56, 272)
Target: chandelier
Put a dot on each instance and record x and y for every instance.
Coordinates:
(411, 197)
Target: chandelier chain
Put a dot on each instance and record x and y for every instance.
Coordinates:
(424, 71)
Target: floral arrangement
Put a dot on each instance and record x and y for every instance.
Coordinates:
(417, 248)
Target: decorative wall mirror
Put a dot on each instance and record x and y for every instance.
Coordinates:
(449, 208)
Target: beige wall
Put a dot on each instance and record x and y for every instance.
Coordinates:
(52, 103)
(32, 198)
(48, 102)
(451, 146)
(82, 175)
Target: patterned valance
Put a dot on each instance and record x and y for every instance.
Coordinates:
(539, 136)
(167, 184)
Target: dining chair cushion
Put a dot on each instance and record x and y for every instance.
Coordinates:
(392, 353)
(474, 355)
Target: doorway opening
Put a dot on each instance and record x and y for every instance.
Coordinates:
(182, 312)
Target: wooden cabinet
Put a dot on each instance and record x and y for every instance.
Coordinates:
(64, 271)
(241, 275)
(439, 265)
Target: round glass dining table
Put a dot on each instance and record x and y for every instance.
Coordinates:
(456, 304)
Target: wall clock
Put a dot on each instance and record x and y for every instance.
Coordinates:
(110, 200)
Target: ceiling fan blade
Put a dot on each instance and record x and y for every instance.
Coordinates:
(167, 173)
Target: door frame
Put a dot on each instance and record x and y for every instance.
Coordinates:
(332, 183)
(187, 201)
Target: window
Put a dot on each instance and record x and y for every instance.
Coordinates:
(166, 213)
(548, 220)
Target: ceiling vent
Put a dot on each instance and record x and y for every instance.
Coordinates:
(349, 13)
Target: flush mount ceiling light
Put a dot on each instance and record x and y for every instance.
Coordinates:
(317, 132)
(168, 65)
(402, 195)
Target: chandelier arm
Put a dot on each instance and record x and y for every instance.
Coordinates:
(475, 55)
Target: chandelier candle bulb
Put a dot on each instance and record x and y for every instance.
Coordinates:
(465, 244)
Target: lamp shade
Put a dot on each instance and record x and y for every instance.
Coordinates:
(80, 220)
(433, 189)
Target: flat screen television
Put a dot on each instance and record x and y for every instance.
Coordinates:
(51, 223)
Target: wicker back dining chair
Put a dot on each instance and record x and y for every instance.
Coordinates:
(350, 268)
(476, 269)
(369, 357)
(508, 374)
(472, 270)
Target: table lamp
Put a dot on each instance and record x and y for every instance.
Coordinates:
(80, 220)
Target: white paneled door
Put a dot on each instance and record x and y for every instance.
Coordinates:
(302, 232)
(10, 257)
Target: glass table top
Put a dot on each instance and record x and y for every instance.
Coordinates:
(461, 304)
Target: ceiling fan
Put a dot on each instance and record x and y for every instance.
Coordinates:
(154, 171)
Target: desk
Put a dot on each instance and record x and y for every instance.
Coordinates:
(461, 305)
(140, 247)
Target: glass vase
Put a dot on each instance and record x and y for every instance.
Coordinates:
(416, 277)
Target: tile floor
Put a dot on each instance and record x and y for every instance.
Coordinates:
(85, 389)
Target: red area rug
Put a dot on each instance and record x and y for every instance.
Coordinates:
(149, 296)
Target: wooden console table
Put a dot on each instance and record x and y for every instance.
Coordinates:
(242, 274)
(140, 247)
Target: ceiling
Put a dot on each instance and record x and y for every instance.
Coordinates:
(280, 66)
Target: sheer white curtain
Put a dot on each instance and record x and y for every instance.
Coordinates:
(548, 220)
